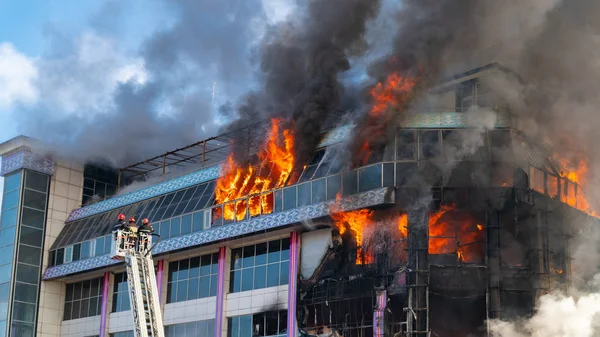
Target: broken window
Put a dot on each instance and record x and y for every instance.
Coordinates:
(271, 324)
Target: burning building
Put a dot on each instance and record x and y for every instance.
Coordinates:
(454, 216)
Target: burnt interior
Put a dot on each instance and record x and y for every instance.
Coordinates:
(488, 238)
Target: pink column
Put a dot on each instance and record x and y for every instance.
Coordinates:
(292, 283)
(159, 278)
(220, 292)
(104, 310)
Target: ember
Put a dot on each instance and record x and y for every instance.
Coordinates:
(276, 164)
(454, 237)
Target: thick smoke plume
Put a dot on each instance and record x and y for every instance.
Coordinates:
(300, 63)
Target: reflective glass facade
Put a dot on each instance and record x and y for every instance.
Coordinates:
(260, 266)
(22, 226)
(8, 227)
(120, 300)
(83, 299)
(193, 278)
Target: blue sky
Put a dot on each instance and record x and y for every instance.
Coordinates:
(64, 63)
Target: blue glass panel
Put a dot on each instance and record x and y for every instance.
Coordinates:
(283, 275)
(318, 191)
(273, 275)
(12, 182)
(6, 254)
(260, 277)
(164, 229)
(289, 198)
(175, 227)
(194, 267)
(10, 200)
(186, 224)
(247, 279)
(304, 195)
(204, 286)
(213, 285)
(369, 178)
(198, 221)
(7, 236)
(334, 185)
(9, 218)
(99, 246)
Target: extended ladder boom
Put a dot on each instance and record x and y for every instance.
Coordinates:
(144, 296)
(134, 247)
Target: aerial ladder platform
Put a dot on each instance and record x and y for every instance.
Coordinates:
(134, 247)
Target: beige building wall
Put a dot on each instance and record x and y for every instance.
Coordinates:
(66, 188)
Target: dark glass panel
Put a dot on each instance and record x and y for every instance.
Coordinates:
(36, 181)
(29, 255)
(34, 199)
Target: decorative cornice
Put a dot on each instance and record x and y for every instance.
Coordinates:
(24, 158)
(259, 224)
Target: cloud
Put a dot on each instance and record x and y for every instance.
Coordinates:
(85, 80)
(17, 75)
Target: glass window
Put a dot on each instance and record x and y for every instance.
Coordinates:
(12, 182)
(259, 266)
(186, 224)
(11, 200)
(369, 178)
(289, 198)
(304, 197)
(430, 144)
(122, 334)
(36, 181)
(28, 274)
(406, 145)
(199, 328)
(198, 221)
(271, 323)
(120, 300)
(29, 255)
(83, 299)
(32, 217)
(34, 199)
(193, 278)
(8, 218)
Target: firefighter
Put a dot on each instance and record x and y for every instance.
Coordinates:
(143, 233)
(132, 232)
(120, 226)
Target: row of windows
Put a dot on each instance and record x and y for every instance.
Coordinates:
(252, 267)
(192, 278)
(83, 299)
(272, 324)
(260, 266)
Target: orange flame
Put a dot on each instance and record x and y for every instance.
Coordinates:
(464, 238)
(394, 92)
(276, 164)
(357, 221)
(577, 174)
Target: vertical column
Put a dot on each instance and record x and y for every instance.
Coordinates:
(104, 312)
(220, 313)
(493, 258)
(159, 278)
(292, 283)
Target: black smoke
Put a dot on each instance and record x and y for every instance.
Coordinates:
(301, 61)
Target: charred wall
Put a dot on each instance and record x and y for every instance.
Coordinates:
(498, 250)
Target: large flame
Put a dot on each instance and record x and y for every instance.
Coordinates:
(577, 173)
(394, 92)
(463, 239)
(356, 222)
(276, 164)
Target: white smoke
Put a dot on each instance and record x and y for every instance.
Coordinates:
(558, 315)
